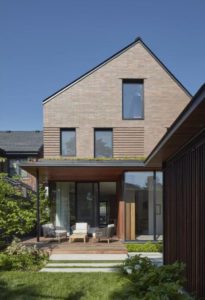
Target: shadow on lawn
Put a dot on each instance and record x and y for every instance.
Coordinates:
(25, 292)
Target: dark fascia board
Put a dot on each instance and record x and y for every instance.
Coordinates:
(21, 153)
(195, 101)
(83, 163)
(137, 40)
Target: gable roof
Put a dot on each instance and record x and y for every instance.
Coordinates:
(12, 142)
(188, 124)
(137, 40)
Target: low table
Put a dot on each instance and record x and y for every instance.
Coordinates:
(76, 236)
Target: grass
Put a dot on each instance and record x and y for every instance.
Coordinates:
(147, 247)
(60, 286)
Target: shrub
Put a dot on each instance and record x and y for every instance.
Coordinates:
(147, 247)
(151, 282)
(17, 213)
(22, 258)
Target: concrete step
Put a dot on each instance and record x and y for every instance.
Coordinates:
(70, 264)
(80, 270)
(89, 257)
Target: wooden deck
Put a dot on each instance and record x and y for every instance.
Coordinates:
(78, 247)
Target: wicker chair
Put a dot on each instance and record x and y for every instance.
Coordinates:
(105, 233)
(49, 230)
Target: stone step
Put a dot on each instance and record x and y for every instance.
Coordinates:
(70, 264)
(79, 270)
(89, 257)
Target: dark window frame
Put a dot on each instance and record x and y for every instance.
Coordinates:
(132, 81)
(102, 129)
(63, 130)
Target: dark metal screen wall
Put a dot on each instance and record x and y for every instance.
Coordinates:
(184, 212)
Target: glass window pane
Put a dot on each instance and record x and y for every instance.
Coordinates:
(103, 143)
(68, 142)
(139, 196)
(108, 204)
(65, 202)
(132, 100)
(87, 203)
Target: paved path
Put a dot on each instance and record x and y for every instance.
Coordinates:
(88, 263)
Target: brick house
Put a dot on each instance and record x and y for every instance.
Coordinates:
(97, 131)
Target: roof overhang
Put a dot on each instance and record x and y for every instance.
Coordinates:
(189, 124)
(81, 170)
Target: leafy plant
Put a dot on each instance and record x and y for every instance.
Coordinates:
(22, 258)
(150, 282)
(147, 247)
(17, 213)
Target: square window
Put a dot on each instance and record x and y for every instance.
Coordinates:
(103, 142)
(133, 99)
(68, 142)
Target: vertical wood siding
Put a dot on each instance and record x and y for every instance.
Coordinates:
(184, 212)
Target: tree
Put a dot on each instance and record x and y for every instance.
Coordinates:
(17, 213)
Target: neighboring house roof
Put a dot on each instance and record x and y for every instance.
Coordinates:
(189, 123)
(137, 40)
(12, 142)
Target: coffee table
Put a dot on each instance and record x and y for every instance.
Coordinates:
(76, 236)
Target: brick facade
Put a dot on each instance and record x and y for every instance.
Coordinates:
(96, 101)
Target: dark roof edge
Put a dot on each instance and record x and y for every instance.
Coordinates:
(167, 70)
(137, 40)
(83, 163)
(197, 98)
(22, 152)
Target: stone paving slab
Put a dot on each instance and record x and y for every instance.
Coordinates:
(83, 264)
(89, 257)
(79, 270)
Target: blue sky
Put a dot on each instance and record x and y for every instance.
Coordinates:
(45, 44)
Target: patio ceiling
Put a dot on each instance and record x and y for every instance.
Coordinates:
(77, 170)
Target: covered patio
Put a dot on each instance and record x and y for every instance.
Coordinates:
(95, 189)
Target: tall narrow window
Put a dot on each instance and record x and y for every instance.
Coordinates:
(133, 99)
(103, 142)
(68, 142)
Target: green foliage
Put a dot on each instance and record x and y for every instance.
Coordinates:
(17, 213)
(22, 258)
(149, 282)
(147, 247)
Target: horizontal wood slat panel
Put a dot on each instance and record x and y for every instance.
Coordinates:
(51, 141)
(128, 141)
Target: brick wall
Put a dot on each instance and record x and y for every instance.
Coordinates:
(96, 101)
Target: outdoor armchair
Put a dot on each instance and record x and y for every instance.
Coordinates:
(105, 233)
(80, 228)
(49, 230)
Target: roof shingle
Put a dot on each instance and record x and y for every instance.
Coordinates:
(21, 141)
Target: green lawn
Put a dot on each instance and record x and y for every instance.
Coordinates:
(65, 286)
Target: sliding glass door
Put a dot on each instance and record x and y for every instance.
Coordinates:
(87, 203)
(90, 202)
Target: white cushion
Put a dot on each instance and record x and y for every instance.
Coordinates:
(111, 225)
(81, 226)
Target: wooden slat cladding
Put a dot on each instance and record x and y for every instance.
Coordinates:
(128, 141)
(51, 141)
(184, 212)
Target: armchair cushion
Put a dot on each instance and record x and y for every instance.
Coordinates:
(81, 228)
